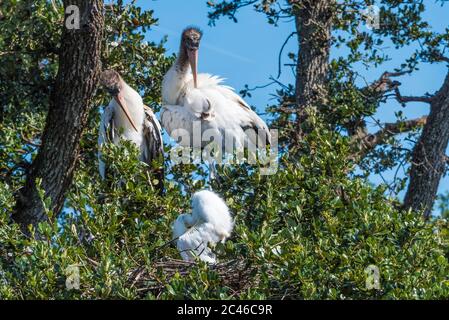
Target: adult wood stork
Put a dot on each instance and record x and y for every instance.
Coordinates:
(126, 117)
(190, 98)
(209, 223)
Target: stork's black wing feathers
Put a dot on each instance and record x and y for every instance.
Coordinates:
(153, 153)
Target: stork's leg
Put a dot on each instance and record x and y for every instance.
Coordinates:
(212, 171)
(214, 176)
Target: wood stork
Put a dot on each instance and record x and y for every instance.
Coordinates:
(209, 223)
(126, 117)
(190, 98)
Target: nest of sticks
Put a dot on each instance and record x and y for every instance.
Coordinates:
(235, 275)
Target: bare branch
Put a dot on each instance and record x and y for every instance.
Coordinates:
(370, 141)
(31, 141)
(395, 74)
(287, 108)
(404, 99)
(280, 53)
(385, 84)
(442, 58)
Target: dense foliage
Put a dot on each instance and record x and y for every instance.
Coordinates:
(306, 232)
(310, 231)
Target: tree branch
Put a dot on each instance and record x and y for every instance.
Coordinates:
(385, 84)
(443, 58)
(280, 52)
(370, 141)
(404, 99)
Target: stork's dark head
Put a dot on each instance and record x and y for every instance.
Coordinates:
(111, 81)
(191, 37)
(190, 43)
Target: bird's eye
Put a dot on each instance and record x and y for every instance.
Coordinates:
(113, 91)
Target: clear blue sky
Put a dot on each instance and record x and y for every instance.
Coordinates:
(246, 53)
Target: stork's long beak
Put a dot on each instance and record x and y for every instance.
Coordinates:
(121, 102)
(193, 60)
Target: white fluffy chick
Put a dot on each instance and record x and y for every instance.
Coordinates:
(209, 223)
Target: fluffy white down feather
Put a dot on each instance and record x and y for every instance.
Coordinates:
(209, 223)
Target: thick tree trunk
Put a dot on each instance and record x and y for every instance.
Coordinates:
(429, 155)
(313, 25)
(76, 82)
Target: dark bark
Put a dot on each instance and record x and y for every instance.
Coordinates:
(313, 25)
(428, 157)
(76, 82)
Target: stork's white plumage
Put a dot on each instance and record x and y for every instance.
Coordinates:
(126, 117)
(209, 223)
(189, 97)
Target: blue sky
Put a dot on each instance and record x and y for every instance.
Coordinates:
(246, 53)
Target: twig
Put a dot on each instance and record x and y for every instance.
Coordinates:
(280, 53)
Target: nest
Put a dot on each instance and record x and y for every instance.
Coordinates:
(235, 275)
